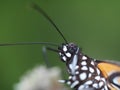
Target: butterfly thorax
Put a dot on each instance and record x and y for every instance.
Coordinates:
(83, 71)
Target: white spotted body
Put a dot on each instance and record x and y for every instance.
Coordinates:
(82, 69)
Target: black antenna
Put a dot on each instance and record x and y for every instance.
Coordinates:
(36, 7)
(28, 43)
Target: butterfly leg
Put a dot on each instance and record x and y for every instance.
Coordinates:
(45, 56)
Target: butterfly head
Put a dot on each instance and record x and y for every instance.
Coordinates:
(67, 51)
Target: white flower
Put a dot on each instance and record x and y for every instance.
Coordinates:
(41, 78)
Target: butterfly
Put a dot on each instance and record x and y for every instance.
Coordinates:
(84, 72)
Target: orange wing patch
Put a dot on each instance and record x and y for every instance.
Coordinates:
(108, 68)
(112, 72)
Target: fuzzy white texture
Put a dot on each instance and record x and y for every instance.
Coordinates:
(41, 78)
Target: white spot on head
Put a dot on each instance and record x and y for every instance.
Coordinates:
(84, 58)
(68, 54)
(97, 78)
(64, 58)
(81, 87)
(83, 76)
(74, 84)
(91, 69)
(83, 63)
(89, 82)
(95, 85)
(64, 48)
(84, 68)
(101, 83)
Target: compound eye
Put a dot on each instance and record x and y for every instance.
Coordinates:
(72, 50)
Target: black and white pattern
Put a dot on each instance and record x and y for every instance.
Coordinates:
(83, 71)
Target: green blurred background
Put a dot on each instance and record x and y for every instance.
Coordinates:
(93, 25)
